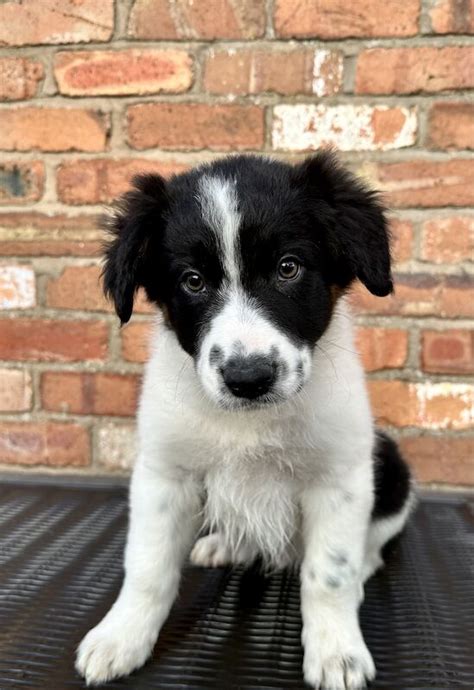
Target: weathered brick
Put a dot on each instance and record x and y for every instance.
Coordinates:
(30, 22)
(46, 340)
(382, 348)
(135, 341)
(420, 295)
(44, 443)
(19, 78)
(21, 182)
(426, 405)
(402, 240)
(333, 19)
(52, 129)
(16, 392)
(411, 70)
(80, 287)
(451, 126)
(87, 393)
(452, 16)
(448, 240)
(123, 72)
(41, 234)
(423, 183)
(117, 446)
(103, 180)
(251, 71)
(304, 127)
(440, 459)
(448, 352)
(195, 126)
(17, 287)
(165, 19)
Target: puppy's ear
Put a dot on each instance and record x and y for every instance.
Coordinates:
(135, 225)
(357, 236)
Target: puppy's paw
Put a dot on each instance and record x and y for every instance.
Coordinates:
(348, 669)
(211, 552)
(112, 649)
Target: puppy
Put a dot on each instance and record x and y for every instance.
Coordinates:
(254, 419)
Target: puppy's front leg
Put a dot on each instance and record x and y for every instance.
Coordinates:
(335, 522)
(163, 522)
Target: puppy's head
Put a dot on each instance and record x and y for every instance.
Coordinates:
(246, 257)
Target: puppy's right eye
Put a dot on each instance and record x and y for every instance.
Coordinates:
(193, 282)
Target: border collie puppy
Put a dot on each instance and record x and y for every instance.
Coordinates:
(254, 420)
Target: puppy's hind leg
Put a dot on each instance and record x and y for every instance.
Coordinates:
(394, 500)
(212, 551)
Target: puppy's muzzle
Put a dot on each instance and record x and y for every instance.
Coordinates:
(249, 377)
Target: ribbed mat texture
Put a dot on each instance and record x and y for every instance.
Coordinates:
(61, 567)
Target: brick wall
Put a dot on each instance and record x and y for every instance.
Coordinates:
(93, 92)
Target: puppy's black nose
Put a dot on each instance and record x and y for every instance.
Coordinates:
(248, 377)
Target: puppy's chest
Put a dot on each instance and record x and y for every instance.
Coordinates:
(257, 506)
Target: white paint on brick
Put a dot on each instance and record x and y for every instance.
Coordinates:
(116, 446)
(15, 390)
(17, 287)
(347, 127)
(321, 87)
(430, 392)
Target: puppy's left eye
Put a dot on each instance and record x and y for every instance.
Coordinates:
(289, 268)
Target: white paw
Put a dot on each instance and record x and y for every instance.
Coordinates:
(348, 669)
(211, 551)
(112, 649)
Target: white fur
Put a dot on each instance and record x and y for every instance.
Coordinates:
(291, 481)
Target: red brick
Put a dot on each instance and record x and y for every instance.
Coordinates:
(45, 340)
(425, 405)
(451, 126)
(16, 391)
(165, 19)
(402, 240)
(52, 129)
(333, 19)
(421, 295)
(452, 16)
(19, 78)
(411, 70)
(84, 393)
(80, 287)
(424, 183)
(440, 459)
(448, 352)
(448, 240)
(195, 126)
(252, 71)
(39, 234)
(21, 182)
(135, 339)
(348, 127)
(103, 180)
(117, 446)
(44, 443)
(382, 348)
(123, 72)
(17, 287)
(30, 22)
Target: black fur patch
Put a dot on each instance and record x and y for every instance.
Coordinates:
(391, 476)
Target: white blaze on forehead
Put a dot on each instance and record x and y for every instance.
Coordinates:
(219, 206)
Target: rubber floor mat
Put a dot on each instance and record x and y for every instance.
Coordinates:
(60, 570)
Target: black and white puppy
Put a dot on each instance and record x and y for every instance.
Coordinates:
(254, 416)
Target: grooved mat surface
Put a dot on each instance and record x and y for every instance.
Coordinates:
(60, 569)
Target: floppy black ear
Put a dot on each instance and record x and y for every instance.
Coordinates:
(357, 236)
(135, 225)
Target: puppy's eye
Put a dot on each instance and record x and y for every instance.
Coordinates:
(193, 282)
(289, 268)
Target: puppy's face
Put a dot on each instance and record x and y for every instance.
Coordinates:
(246, 257)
